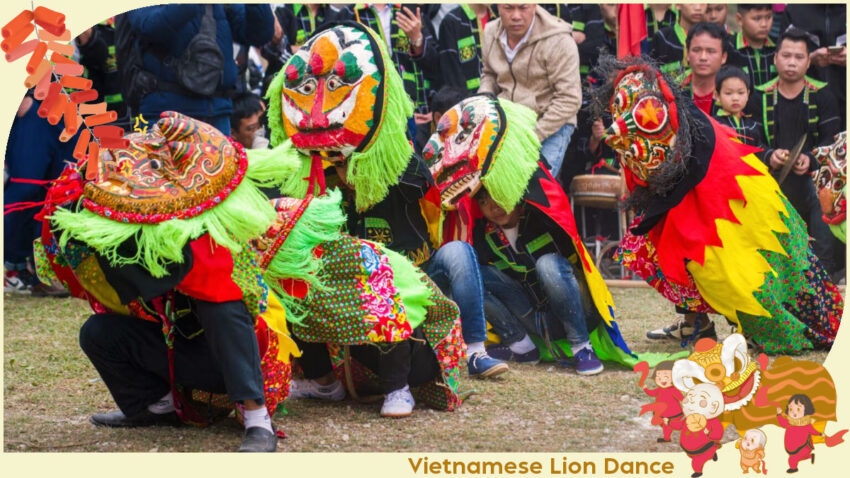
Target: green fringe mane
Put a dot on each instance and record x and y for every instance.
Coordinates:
(245, 214)
(372, 171)
(321, 222)
(515, 162)
(283, 167)
(274, 95)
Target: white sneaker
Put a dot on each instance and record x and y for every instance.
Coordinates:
(15, 285)
(399, 403)
(311, 389)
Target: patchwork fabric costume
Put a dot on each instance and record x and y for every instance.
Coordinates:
(831, 183)
(715, 233)
(491, 142)
(346, 291)
(166, 220)
(339, 101)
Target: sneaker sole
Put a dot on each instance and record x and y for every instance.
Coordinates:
(396, 415)
(595, 371)
(492, 371)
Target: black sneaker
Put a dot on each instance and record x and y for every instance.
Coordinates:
(146, 418)
(505, 354)
(258, 440)
(682, 331)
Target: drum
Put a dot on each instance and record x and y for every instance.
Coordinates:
(597, 190)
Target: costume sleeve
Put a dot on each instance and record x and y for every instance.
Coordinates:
(415, 180)
(94, 53)
(286, 19)
(429, 59)
(812, 431)
(781, 420)
(652, 392)
(760, 453)
(160, 24)
(488, 75)
(449, 56)
(829, 122)
(657, 53)
(251, 24)
(562, 69)
(677, 394)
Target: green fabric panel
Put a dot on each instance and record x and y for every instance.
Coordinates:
(606, 350)
(409, 281)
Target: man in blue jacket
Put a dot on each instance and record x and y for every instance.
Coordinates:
(165, 31)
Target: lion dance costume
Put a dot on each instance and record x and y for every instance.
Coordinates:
(714, 234)
(491, 142)
(165, 219)
(339, 99)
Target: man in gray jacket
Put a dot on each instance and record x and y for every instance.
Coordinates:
(530, 58)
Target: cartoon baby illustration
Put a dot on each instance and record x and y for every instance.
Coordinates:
(667, 397)
(701, 428)
(751, 446)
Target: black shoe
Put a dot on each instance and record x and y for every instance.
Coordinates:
(663, 440)
(258, 440)
(43, 290)
(714, 458)
(696, 474)
(117, 419)
(813, 458)
(791, 470)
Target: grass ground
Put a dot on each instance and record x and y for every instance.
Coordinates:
(51, 389)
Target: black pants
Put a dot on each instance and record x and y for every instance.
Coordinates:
(409, 362)
(132, 359)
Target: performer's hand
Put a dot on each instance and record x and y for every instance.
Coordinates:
(423, 118)
(666, 420)
(579, 37)
(597, 131)
(84, 37)
(839, 57)
(778, 411)
(778, 158)
(801, 167)
(278, 32)
(819, 57)
(410, 24)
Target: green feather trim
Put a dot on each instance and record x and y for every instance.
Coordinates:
(283, 167)
(274, 96)
(515, 162)
(410, 282)
(245, 214)
(320, 223)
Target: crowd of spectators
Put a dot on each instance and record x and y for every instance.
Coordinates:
(774, 72)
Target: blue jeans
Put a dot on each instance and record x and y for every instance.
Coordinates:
(554, 147)
(512, 315)
(454, 268)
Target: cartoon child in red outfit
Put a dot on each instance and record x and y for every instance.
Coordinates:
(667, 396)
(797, 422)
(701, 428)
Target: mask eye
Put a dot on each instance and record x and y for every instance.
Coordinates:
(308, 87)
(838, 184)
(824, 178)
(334, 83)
(155, 164)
